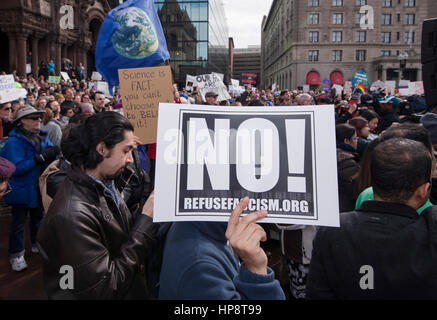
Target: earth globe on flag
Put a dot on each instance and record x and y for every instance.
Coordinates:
(136, 38)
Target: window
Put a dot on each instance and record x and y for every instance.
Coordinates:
(337, 3)
(361, 55)
(410, 18)
(386, 37)
(313, 3)
(409, 37)
(386, 3)
(337, 18)
(361, 36)
(337, 36)
(337, 55)
(314, 36)
(313, 55)
(361, 2)
(386, 53)
(410, 3)
(314, 18)
(358, 17)
(386, 19)
(398, 36)
(399, 17)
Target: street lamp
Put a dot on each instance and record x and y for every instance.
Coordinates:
(403, 63)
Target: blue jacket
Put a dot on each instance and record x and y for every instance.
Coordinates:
(24, 181)
(199, 265)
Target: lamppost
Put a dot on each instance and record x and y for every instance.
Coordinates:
(403, 63)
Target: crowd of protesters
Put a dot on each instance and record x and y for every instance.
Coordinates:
(71, 161)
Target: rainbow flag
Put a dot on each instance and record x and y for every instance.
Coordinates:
(361, 88)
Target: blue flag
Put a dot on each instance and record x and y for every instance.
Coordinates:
(130, 37)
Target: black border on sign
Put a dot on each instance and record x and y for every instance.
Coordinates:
(288, 217)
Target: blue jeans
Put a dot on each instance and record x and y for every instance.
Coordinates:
(18, 226)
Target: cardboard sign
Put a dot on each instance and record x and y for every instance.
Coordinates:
(142, 90)
(209, 157)
(212, 83)
(65, 76)
(54, 79)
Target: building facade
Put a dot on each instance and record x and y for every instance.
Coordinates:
(247, 60)
(308, 41)
(35, 31)
(197, 37)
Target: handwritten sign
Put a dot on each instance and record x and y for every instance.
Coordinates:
(142, 90)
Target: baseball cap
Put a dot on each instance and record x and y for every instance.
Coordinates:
(211, 94)
(390, 100)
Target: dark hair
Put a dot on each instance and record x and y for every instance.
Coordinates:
(398, 167)
(80, 146)
(359, 123)
(369, 115)
(256, 103)
(362, 177)
(410, 131)
(344, 131)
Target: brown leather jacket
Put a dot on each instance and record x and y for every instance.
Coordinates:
(101, 241)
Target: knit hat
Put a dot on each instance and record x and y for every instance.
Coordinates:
(429, 121)
(7, 169)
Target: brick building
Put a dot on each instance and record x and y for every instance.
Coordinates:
(307, 41)
(35, 26)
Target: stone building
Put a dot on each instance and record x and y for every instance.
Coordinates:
(307, 41)
(43, 28)
(247, 60)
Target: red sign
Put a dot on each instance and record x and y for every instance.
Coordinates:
(249, 78)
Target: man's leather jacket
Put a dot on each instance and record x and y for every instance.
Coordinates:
(103, 243)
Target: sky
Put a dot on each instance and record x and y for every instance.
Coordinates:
(244, 20)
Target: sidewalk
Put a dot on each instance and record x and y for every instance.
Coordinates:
(24, 285)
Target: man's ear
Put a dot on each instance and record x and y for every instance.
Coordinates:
(422, 192)
(101, 149)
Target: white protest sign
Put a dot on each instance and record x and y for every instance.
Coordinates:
(190, 83)
(235, 83)
(390, 86)
(306, 88)
(96, 76)
(65, 76)
(274, 86)
(8, 91)
(416, 88)
(210, 157)
(103, 87)
(348, 87)
(221, 76)
(212, 83)
(338, 89)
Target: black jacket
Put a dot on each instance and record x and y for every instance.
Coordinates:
(393, 239)
(347, 166)
(102, 242)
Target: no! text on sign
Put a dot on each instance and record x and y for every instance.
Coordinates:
(142, 90)
(284, 159)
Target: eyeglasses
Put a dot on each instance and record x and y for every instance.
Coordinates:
(34, 118)
(8, 189)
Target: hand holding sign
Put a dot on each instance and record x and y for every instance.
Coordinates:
(245, 235)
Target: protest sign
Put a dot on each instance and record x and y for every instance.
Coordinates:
(338, 89)
(404, 87)
(8, 91)
(326, 85)
(142, 89)
(390, 86)
(360, 77)
(212, 83)
(65, 76)
(283, 158)
(102, 86)
(416, 88)
(274, 87)
(190, 83)
(306, 88)
(54, 79)
(235, 83)
(348, 87)
(96, 76)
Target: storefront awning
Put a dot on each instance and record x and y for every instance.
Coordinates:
(337, 78)
(313, 78)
